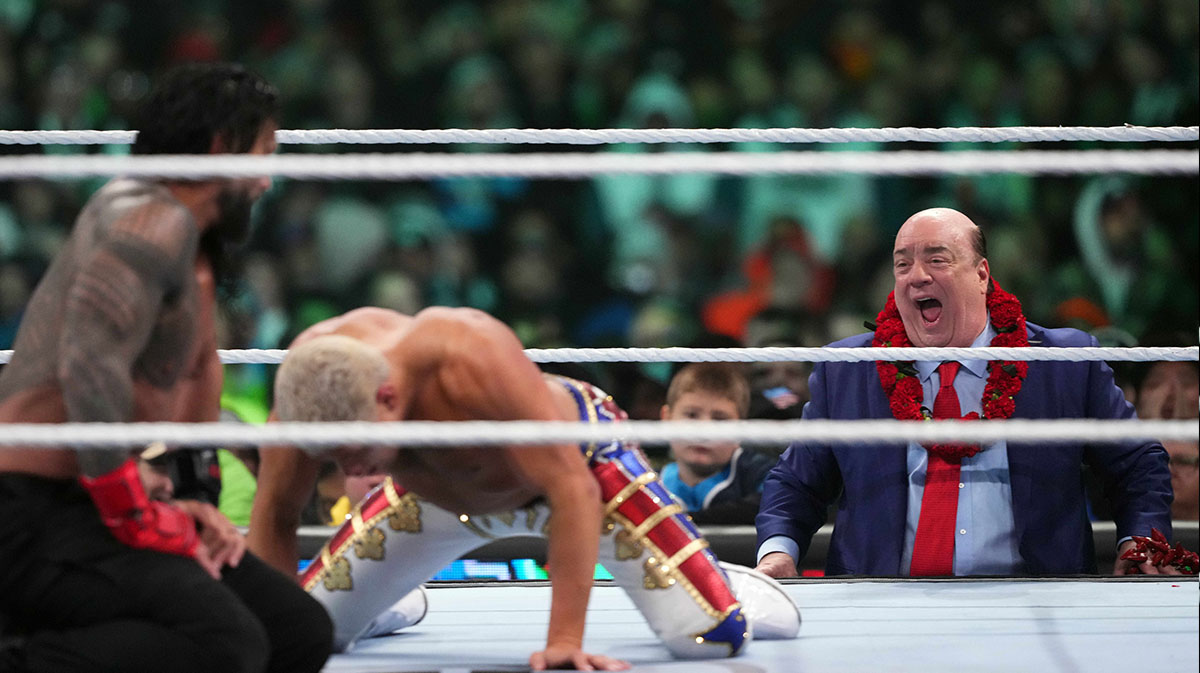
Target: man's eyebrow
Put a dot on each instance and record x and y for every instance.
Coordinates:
(927, 250)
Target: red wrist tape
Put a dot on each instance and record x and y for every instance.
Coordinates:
(136, 520)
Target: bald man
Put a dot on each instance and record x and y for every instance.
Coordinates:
(1004, 508)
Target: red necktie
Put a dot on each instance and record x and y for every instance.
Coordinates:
(933, 548)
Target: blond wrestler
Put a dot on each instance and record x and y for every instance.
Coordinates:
(460, 364)
(99, 575)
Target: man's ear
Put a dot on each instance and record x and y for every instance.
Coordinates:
(385, 396)
(665, 413)
(985, 273)
(219, 144)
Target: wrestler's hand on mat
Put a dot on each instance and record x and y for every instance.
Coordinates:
(571, 657)
(777, 564)
(220, 537)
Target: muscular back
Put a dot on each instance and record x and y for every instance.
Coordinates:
(116, 311)
(456, 365)
(445, 365)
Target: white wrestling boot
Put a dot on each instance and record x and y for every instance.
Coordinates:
(406, 612)
(772, 614)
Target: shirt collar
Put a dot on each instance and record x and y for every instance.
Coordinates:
(977, 367)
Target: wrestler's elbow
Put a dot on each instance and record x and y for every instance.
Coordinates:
(589, 492)
(69, 374)
(73, 367)
(582, 495)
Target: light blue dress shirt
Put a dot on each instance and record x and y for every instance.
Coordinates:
(985, 537)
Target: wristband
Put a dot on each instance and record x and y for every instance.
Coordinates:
(136, 520)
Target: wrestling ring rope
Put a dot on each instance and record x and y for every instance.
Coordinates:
(578, 165)
(1127, 133)
(988, 624)
(416, 433)
(466, 433)
(793, 354)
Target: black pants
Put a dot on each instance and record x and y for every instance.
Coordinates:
(89, 603)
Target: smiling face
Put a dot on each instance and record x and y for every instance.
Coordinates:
(941, 283)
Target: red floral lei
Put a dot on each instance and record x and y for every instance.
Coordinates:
(903, 386)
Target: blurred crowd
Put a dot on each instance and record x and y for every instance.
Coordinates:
(634, 260)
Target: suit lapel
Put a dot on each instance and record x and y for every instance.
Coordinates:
(1021, 467)
(890, 463)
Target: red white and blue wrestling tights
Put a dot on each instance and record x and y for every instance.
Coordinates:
(394, 541)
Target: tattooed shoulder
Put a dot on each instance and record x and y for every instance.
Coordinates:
(150, 232)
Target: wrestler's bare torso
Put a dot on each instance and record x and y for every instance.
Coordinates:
(421, 350)
(88, 304)
(451, 365)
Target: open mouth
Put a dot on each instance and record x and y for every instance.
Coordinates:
(931, 310)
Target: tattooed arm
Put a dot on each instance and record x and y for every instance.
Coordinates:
(111, 311)
(197, 397)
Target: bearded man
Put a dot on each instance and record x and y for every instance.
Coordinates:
(97, 574)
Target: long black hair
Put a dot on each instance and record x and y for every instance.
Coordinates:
(197, 102)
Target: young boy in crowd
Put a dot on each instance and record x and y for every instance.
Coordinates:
(718, 482)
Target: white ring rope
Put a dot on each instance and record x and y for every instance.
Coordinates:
(794, 354)
(475, 433)
(1127, 133)
(411, 166)
(866, 354)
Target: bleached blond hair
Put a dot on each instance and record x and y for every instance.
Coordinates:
(330, 378)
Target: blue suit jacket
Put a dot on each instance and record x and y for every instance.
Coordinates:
(1049, 510)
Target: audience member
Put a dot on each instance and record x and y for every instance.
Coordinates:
(1172, 390)
(1185, 480)
(718, 482)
